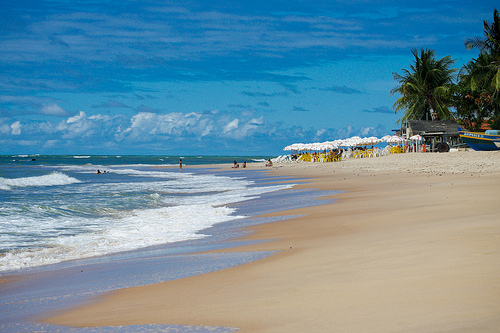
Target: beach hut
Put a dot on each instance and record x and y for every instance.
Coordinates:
(440, 135)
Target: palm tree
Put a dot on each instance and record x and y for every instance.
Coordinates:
(478, 73)
(472, 107)
(488, 66)
(425, 88)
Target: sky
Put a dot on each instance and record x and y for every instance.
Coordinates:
(212, 77)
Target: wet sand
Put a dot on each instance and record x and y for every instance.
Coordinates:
(412, 245)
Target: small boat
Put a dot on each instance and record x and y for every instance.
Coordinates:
(489, 140)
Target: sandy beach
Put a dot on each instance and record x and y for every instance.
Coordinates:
(411, 245)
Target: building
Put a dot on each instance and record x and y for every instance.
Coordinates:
(438, 135)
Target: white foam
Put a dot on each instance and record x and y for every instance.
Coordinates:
(137, 229)
(53, 179)
(174, 206)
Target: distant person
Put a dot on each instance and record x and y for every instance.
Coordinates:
(269, 163)
(180, 163)
(99, 172)
(245, 164)
(236, 165)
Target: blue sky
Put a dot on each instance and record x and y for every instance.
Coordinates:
(212, 77)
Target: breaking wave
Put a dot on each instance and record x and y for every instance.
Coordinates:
(53, 179)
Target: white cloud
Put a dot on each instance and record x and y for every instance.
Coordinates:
(53, 110)
(50, 143)
(99, 117)
(77, 126)
(321, 132)
(231, 126)
(5, 129)
(366, 131)
(143, 122)
(170, 124)
(208, 129)
(239, 129)
(16, 128)
(26, 143)
(76, 118)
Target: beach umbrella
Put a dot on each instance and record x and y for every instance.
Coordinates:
(332, 145)
(338, 143)
(318, 146)
(395, 139)
(416, 137)
(295, 146)
(328, 145)
(301, 146)
(372, 140)
(352, 141)
(385, 138)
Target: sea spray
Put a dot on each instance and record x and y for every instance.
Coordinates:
(62, 211)
(52, 179)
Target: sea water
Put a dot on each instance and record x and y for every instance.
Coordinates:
(140, 221)
(57, 208)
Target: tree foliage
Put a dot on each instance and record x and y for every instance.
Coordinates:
(425, 87)
(472, 107)
(427, 90)
(483, 73)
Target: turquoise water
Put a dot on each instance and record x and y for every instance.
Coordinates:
(83, 234)
(56, 208)
(104, 160)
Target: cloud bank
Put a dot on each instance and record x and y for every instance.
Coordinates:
(167, 133)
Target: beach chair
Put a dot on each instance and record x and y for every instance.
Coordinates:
(347, 153)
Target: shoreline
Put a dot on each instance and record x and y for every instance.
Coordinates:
(66, 284)
(411, 245)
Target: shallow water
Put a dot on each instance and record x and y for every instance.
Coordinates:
(136, 225)
(57, 211)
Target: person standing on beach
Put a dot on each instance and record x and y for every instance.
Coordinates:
(180, 164)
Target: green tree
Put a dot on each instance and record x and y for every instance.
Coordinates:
(488, 63)
(471, 106)
(425, 88)
(472, 94)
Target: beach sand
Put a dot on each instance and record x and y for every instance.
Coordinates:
(411, 245)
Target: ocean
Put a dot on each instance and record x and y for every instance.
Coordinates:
(69, 233)
(57, 208)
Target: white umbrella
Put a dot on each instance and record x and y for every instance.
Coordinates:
(385, 138)
(395, 139)
(416, 137)
(370, 141)
(352, 141)
(295, 146)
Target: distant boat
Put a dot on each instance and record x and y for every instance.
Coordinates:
(489, 140)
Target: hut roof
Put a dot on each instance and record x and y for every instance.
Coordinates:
(422, 127)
